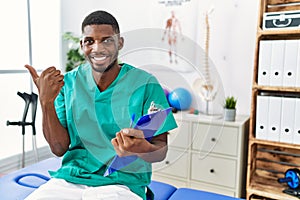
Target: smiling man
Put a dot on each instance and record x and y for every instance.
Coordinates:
(86, 118)
(101, 51)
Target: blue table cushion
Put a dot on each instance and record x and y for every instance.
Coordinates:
(162, 191)
(19, 184)
(192, 194)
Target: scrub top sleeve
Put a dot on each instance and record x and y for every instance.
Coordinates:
(156, 94)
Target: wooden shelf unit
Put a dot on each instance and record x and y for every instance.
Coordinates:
(268, 160)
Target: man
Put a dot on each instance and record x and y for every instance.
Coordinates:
(86, 118)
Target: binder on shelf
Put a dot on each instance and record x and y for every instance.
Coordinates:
(264, 62)
(290, 63)
(277, 62)
(298, 67)
(287, 119)
(296, 139)
(262, 114)
(274, 118)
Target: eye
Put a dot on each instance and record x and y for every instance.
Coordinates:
(108, 41)
(88, 41)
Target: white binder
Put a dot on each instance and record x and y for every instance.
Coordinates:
(298, 66)
(277, 62)
(264, 62)
(262, 112)
(274, 118)
(290, 63)
(287, 119)
(297, 123)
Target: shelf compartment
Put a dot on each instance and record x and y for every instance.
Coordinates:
(276, 6)
(269, 91)
(276, 89)
(267, 188)
(278, 34)
(267, 164)
(253, 141)
(281, 5)
(256, 197)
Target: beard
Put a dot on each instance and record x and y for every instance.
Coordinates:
(111, 65)
(102, 69)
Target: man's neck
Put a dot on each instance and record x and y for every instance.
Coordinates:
(103, 80)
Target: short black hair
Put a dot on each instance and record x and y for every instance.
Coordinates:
(100, 17)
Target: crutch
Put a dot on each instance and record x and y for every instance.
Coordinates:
(34, 98)
(28, 100)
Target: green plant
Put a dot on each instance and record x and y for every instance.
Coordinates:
(74, 55)
(230, 102)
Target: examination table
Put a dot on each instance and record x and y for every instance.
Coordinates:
(19, 184)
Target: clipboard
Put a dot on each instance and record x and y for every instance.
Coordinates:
(149, 124)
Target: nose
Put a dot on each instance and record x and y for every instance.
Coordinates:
(97, 46)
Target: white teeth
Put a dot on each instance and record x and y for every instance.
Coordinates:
(99, 58)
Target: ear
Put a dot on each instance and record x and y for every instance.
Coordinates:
(81, 46)
(121, 43)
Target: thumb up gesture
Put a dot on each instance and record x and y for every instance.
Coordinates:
(48, 83)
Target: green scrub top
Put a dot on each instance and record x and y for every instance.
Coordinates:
(93, 117)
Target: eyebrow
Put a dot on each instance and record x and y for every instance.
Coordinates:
(111, 36)
(102, 39)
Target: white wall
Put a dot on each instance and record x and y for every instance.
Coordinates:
(232, 39)
(45, 24)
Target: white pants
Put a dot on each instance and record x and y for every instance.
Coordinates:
(59, 189)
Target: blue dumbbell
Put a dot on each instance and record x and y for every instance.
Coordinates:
(292, 178)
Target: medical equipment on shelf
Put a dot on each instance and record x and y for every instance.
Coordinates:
(29, 99)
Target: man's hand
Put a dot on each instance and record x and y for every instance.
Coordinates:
(132, 142)
(48, 83)
(129, 142)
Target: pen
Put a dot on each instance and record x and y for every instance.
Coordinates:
(132, 120)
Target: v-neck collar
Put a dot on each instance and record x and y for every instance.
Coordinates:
(93, 86)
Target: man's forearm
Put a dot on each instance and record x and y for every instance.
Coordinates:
(155, 156)
(157, 149)
(55, 134)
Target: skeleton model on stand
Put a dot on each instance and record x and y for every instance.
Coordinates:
(205, 86)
